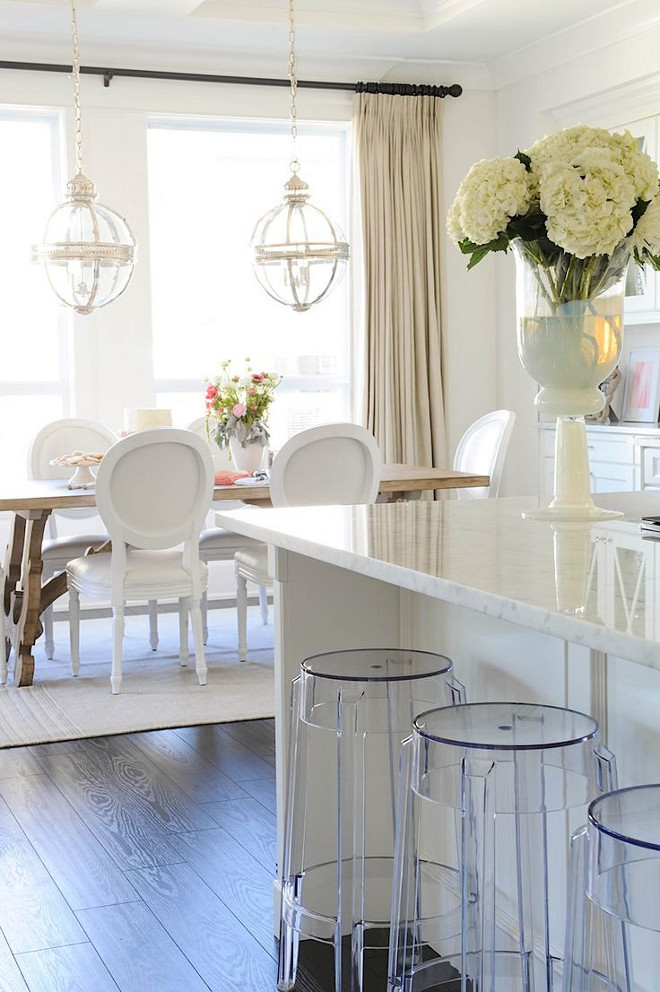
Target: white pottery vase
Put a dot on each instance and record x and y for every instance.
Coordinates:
(246, 458)
(569, 348)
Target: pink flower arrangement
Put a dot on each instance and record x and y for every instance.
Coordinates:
(237, 406)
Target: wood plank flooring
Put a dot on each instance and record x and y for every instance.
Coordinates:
(145, 863)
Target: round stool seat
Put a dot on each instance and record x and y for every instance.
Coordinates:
(386, 682)
(376, 665)
(629, 815)
(506, 726)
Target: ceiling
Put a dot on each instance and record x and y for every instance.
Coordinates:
(422, 40)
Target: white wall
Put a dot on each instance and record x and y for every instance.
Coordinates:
(469, 318)
(616, 84)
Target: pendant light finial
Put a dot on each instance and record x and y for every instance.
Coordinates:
(299, 253)
(88, 250)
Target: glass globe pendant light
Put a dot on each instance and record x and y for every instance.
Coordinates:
(299, 253)
(88, 250)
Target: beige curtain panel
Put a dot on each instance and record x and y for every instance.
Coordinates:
(398, 144)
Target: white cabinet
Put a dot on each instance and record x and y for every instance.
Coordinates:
(622, 457)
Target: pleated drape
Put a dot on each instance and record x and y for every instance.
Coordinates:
(398, 145)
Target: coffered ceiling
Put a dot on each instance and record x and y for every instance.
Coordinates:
(343, 39)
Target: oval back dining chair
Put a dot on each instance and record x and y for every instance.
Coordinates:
(482, 450)
(329, 464)
(61, 437)
(153, 491)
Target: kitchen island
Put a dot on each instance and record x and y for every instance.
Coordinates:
(567, 614)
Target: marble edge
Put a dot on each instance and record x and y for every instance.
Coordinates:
(562, 625)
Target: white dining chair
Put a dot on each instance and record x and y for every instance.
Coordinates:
(482, 450)
(153, 491)
(61, 437)
(329, 464)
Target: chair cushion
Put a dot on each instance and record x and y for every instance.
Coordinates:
(149, 575)
(71, 546)
(255, 559)
(222, 540)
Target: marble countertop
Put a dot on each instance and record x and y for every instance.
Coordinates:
(592, 584)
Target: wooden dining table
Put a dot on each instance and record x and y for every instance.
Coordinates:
(32, 501)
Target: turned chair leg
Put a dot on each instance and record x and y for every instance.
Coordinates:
(184, 647)
(117, 635)
(74, 629)
(241, 614)
(204, 605)
(49, 639)
(198, 639)
(152, 607)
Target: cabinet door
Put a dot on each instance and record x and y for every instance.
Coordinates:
(641, 284)
(611, 461)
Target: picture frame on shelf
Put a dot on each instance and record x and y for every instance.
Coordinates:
(642, 395)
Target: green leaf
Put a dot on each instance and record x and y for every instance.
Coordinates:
(638, 211)
(529, 227)
(477, 252)
(525, 159)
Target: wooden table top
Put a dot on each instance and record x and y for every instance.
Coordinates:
(52, 494)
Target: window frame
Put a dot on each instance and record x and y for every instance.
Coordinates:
(339, 383)
(60, 386)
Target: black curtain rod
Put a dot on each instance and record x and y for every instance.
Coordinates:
(398, 89)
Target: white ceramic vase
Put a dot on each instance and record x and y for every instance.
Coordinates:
(246, 458)
(569, 346)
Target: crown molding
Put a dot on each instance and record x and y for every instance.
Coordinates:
(613, 107)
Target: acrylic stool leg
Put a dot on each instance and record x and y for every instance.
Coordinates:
(287, 966)
(403, 914)
(478, 876)
(294, 839)
(531, 842)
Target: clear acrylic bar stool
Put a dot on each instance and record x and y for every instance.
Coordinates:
(615, 859)
(350, 711)
(482, 843)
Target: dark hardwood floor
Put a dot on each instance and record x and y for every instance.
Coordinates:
(144, 863)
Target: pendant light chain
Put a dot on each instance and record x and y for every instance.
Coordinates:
(76, 86)
(295, 164)
(88, 250)
(299, 254)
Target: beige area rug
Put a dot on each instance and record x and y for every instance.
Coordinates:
(156, 691)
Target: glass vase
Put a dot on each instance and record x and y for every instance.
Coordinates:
(570, 331)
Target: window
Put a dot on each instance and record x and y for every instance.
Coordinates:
(209, 183)
(33, 378)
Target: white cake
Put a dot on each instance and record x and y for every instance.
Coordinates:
(147, 418)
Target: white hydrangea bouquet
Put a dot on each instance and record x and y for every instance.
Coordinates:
(576, 207)
(572, 201)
